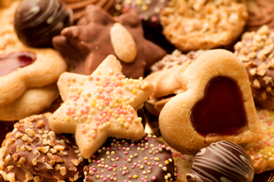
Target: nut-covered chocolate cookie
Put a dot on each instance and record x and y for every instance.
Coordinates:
(205, 24)
(97, 35)
(148, 159)
(256, 51)
(32, 151)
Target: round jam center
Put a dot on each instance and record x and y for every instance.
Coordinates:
(12, 61)
(221, 111)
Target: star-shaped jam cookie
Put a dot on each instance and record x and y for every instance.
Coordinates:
(100, 105)
(95, 36)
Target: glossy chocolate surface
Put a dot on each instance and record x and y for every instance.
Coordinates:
(12, 61)
(37, 21)
(221, 111)
(221, 161)
(124, 160)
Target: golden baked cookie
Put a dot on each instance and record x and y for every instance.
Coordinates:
(24, 69)
(214, 104)
(205, 24)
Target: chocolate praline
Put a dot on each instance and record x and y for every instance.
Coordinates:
(221, 161)
(36, 22)
(124, 160)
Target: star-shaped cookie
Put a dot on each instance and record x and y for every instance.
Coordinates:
(87, 44)
(100, 105)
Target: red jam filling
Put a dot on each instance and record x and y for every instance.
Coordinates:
(221, 111)
(12, 61)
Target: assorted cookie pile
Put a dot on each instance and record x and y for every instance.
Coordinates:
(136, 90)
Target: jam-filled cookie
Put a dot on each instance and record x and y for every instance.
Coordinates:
(215, 104)
(27, 75)
(193, 25)
(33, 152)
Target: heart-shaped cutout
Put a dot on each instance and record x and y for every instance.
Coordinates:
(217, 105)
(221, 111)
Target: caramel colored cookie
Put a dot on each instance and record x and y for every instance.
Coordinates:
(33, 152)
(256, 51)
(24, 69)
(100, 105)
(215, 104)
(193, 25)
(97, 35)
(260, 13)
(78, 6)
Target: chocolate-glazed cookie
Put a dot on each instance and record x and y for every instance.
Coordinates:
(33, 152)
(124, 160)
(98, 34)
(36, 22)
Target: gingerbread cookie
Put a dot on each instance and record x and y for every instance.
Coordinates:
(221, 161)
(215, 104)
(97, 35)
(260, 13)
(148, 158)
(78, 6)
(193, 25)
(32, 151)
(24, 69)
(256, 50)
(100, 105)
(36, 22)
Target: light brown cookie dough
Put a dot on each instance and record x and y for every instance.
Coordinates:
(24, 69)
(215, 104)
(204, 24)
(256, 51)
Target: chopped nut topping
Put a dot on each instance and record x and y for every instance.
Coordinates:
(18, 135)
(52, 135)
(256, 83)
(43, 149)
(63, 171)
(15, 157)
(268, 80)
(63, 153)
(30, 132)
(25, 138)
(59, 147)
(57, 167)
(264, 96)
(53, 151)
(28, 148)
(22, 160)
(10, 168)
(34, 161)
(75, 162)
(48, 166)
(40, 123)
(8, 158)
(57, 159)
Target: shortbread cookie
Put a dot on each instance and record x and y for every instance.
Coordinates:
(222, 161)
(98, 34)
(256, 51)
(32, 151)
(262, 152)
(205, 24)
(33, 100)
(148, 158)
(100, 105)
(215, 104)
(260, 13)
(23, 68)
(78, 6)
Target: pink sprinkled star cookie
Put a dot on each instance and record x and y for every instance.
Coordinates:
(100, 105)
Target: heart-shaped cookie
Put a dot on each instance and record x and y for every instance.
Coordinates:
(217, 105)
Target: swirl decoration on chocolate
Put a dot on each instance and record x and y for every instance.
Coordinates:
(33, 152)
(148, 159)
(221, 161)
(37, 21)
(12, 61)
(256, 51)
(98, 34)
(260, 13)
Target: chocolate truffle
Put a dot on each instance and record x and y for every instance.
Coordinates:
(221, 161)
(124, 160)
(33, 152)
(36, 22)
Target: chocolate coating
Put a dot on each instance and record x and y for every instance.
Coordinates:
(32, 150)
(37, 21)
(209, 117)
(86, 45)
(221, 161)
(123, 160)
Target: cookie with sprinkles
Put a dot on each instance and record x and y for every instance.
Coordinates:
(262, 152)
(33, 152)
(100, 105)
(146, 160)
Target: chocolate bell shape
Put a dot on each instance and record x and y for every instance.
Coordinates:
(37, 21)
(221, 161)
